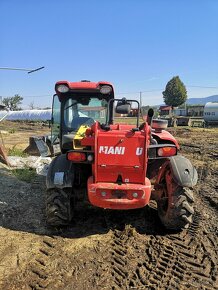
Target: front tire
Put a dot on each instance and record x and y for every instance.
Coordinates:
(59, 206)
(175, 208)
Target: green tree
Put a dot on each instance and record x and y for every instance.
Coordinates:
(12, 103)
(175, 93)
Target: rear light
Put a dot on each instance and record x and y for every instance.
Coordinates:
(76, 156)
(167, 151)
(62, 88)
(105, 90)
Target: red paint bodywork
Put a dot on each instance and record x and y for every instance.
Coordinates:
(80, 86)
(112, 200)
(166, 136)
(120, 153)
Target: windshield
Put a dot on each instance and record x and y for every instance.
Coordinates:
(84, 111)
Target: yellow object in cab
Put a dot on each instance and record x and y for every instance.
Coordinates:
(79, 136)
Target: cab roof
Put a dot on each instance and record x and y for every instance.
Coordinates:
(83, 85)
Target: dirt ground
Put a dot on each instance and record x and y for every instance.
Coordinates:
(105, 249)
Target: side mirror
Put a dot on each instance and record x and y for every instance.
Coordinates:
(123, 107)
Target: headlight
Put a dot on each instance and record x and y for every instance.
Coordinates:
(105, 90)
(62, 88)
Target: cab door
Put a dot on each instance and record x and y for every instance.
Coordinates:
(55, 120)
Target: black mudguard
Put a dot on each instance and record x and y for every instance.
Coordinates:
(183, 171)
(60, 173)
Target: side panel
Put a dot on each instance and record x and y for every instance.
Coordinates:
(60, 173)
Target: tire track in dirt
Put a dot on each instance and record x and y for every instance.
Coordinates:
(119, 259)
(122, 251)
(39, 268)
(185, 260)
(178, 261)
(162, 268)
(198, 254)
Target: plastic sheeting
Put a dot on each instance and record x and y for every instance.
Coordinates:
(30, 115)
(36, 115)
(40, 164)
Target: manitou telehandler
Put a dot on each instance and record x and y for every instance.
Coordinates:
(119, 166)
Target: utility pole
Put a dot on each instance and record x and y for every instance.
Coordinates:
(140, 99)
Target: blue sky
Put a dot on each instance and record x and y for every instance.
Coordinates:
(137, 45)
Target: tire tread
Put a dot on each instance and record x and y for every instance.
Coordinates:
(58, 207)
(179, 214)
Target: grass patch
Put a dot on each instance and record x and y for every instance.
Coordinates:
(25, 174)
(127, 120)
(12, 131)
(16, 152)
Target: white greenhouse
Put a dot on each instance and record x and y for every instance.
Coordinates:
(30, 115)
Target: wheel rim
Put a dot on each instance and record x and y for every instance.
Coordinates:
(167, 190)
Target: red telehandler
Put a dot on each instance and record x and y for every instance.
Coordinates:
(119, 166)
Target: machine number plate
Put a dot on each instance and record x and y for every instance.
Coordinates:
(59, 178)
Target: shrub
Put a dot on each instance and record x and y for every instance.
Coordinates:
(25, 174)
(16, 152)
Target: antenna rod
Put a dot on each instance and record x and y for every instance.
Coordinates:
(29, 70)
(33, 70)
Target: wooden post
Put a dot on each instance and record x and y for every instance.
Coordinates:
(4, 155)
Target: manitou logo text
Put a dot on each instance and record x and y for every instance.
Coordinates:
(118, 150)
(139, 151)
(112, 150)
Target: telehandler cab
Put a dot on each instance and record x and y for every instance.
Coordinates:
(119, 166)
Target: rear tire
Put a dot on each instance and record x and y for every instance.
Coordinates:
(175, 208)
(59, 206)
(179, 212)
